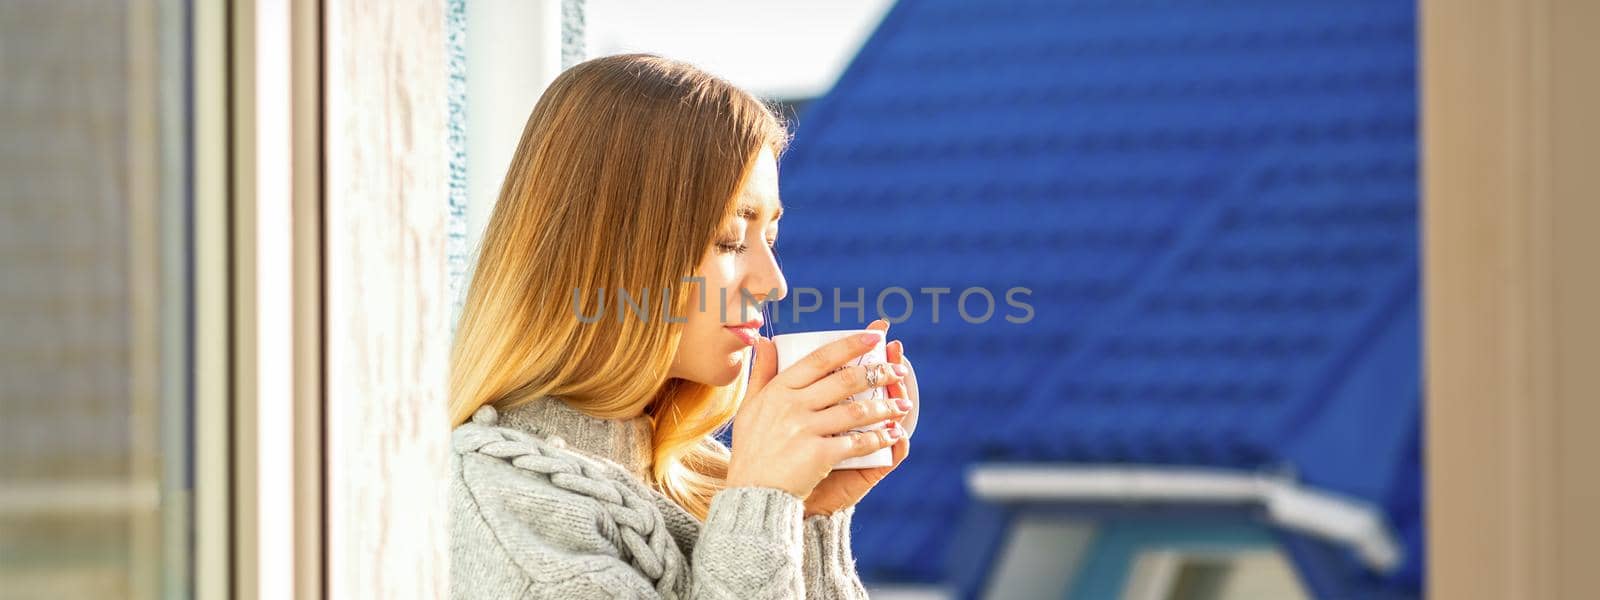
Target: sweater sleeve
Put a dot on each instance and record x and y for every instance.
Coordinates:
(830, 566)
(751, 546)
(754, 545)
(749, 549)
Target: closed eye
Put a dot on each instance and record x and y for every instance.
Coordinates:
(743, 248)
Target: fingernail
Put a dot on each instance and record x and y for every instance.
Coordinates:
(899, 369)
(894, 431)
(867, 338)
(903, 403)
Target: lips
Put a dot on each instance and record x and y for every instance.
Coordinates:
(747, 332)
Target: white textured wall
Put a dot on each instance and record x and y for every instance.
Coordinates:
(386, 299)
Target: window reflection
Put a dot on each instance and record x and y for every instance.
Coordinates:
(95, 476)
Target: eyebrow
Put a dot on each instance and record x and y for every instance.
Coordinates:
(749, 212)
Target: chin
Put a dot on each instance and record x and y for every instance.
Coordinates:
(720, 375)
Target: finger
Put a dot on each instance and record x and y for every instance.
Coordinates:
(908, 382)
(895, 352)
(861, 443)
(824, 360)
(855, 415)
(764, 366)
(902, 449)
(909, 387)
(880, 325)
(848, 382)
(894, 391)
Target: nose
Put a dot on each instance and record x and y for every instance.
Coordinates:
(764, 281)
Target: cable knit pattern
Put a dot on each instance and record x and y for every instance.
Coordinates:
(533, 518)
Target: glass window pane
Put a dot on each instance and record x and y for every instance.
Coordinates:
(95, 476)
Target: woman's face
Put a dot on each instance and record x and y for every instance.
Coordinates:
(740, 272)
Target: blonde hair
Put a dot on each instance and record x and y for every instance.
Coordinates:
(626, 168)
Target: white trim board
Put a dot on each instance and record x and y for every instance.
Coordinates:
(908, 592)
(1347, 521)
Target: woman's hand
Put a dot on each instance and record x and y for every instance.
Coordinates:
(845, 487)
(783, 433)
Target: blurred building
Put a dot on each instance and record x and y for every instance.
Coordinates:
(1213, 208)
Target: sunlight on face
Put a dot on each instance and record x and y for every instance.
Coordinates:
(739, 267)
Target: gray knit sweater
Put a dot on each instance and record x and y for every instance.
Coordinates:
(548, 502)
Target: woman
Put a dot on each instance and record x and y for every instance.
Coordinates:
(594, 362)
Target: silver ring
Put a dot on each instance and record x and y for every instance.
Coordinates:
(872, 376)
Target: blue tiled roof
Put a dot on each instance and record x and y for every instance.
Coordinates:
(1214, 205)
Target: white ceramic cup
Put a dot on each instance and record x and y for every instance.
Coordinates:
(794, 346)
